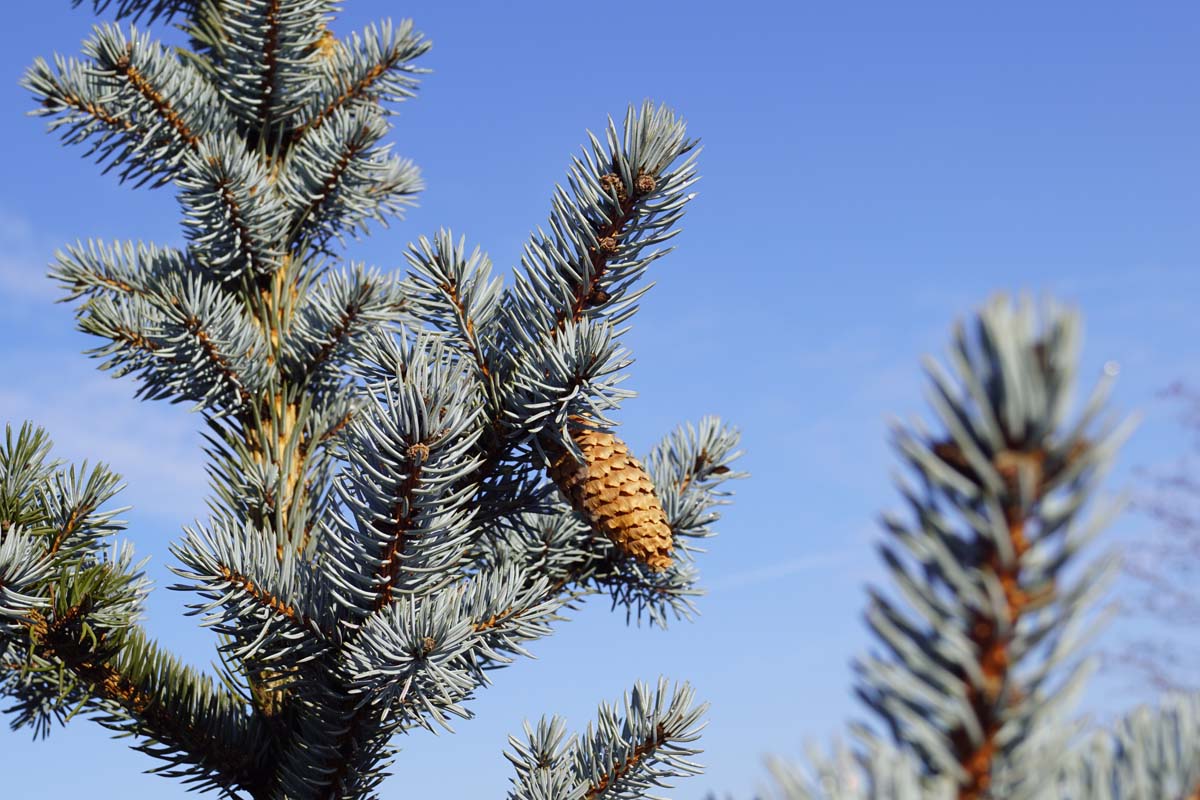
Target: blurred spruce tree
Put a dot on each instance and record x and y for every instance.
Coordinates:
(979, 638)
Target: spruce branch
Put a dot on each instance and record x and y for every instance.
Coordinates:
(202, 734)
(24, 568)
(1153, 752)
(625, 196)
(580, 561)
(268, 58)
(339, 177)
(632, 748)
(233, 216)
(381, 536)
(412, 657)
(561, 316)
(122, 64)
(877, 771)
(162, 313)
(335, 318)
(456, 294)
(136, 9)
(509, 606)
(69, 606)
(412, 664)
(284, 496)
(982, 630)
(121, 269)
(269, 609)
(411, 516)
(688, 468)
(374, 66)
(576, 375)
(139, 107)
(197, 349)
(978, 667)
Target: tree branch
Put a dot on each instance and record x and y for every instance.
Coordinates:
(161, 105)
(230, 765)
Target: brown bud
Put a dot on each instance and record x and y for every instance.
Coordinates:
(614, 494)
(645, 184)
(327, 45)
(418, 452)
(1010, 464)
(269, 689)
(611, 182)
(608, 244)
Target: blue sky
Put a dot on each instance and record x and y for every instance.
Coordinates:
(871, 172)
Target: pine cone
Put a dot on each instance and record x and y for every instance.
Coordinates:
(614, 493)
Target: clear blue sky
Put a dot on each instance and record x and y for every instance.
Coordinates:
(871, 171)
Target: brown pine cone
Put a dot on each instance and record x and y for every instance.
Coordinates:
(614, 493)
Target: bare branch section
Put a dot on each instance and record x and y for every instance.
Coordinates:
(1164, 564)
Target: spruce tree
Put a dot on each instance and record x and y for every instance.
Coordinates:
(979, 637)
(412, 476)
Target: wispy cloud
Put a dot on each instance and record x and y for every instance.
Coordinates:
(23, 260)
(153, 446)
(786, 569)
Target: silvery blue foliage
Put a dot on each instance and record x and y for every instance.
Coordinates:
(983, 660)
(579, 282)
(267, 71)
(233, 216)
(982, 630)
(407, 486)
(631, 750)
(269, 610)
(338, 177)
(1150, 753)
(1157, 750)
(877, 771)
(698, 455)
(382, 531)
(138, 107)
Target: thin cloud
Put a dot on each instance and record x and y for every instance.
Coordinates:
(22, 260)
(153, 446)
(785, 569)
